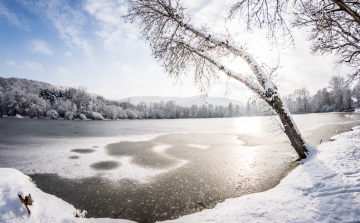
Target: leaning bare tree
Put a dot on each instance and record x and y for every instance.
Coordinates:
(180, 48)
(335, 24)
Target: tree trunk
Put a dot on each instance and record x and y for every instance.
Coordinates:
(290, 127)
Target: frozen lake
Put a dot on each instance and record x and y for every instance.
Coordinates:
(152, 170)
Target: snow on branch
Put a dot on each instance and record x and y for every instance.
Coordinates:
(165, 22)
(263, 79)
(238, 76)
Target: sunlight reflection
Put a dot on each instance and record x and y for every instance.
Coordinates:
(248, 125)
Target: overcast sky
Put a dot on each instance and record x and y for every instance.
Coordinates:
(86, 43)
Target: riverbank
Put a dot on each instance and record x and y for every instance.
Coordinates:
(324, 188)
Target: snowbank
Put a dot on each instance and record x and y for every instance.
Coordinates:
(324, 188)
(45, 207)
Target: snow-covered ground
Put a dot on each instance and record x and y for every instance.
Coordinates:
(324, 188)
(45, 207)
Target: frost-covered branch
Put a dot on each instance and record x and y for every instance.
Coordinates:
(238, 76)
(154, 8)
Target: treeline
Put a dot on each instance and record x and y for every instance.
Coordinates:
(36, 99)
(338, 96)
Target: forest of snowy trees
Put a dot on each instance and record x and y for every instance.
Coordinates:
(21, 97)
(337, 96)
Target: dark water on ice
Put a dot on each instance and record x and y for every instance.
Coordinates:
(114, 169)
(224, 170)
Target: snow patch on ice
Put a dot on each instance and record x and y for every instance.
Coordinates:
(161, 148)
(129, 170)
(199, 146)
(58, 157)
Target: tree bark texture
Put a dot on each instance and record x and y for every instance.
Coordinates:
(290, 128)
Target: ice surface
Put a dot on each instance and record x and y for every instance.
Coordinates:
(78, 158)
(324, 188)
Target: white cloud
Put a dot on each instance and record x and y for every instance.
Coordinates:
(116, 34)
(33, 65)
(68, 54)
(122, 67)
(194, 4)
(40, 46)
(116, 65)
(63, 71)
(11, 17)
(67, 21)
(10, 63)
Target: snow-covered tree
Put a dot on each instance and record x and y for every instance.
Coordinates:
(230, 110)
(169, 108)
(211, 110)
(111, 112)
(302, 97)
(69, 115)
(248, 110)
(36, 106)
(157, 114)
(62, 106)
(96, 116)
(194, 111)
(82, 116)
(131, 114)
(81, 98)
(356, 95)
(346, 100)
(142, 108)
(337, 85)
(179, 46)
(238, 110)
(2, 102)
(52, 114)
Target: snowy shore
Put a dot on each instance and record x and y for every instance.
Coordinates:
(324, 188)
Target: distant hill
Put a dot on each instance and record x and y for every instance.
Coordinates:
(32, 86)
(184, 101)
(29, 86)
